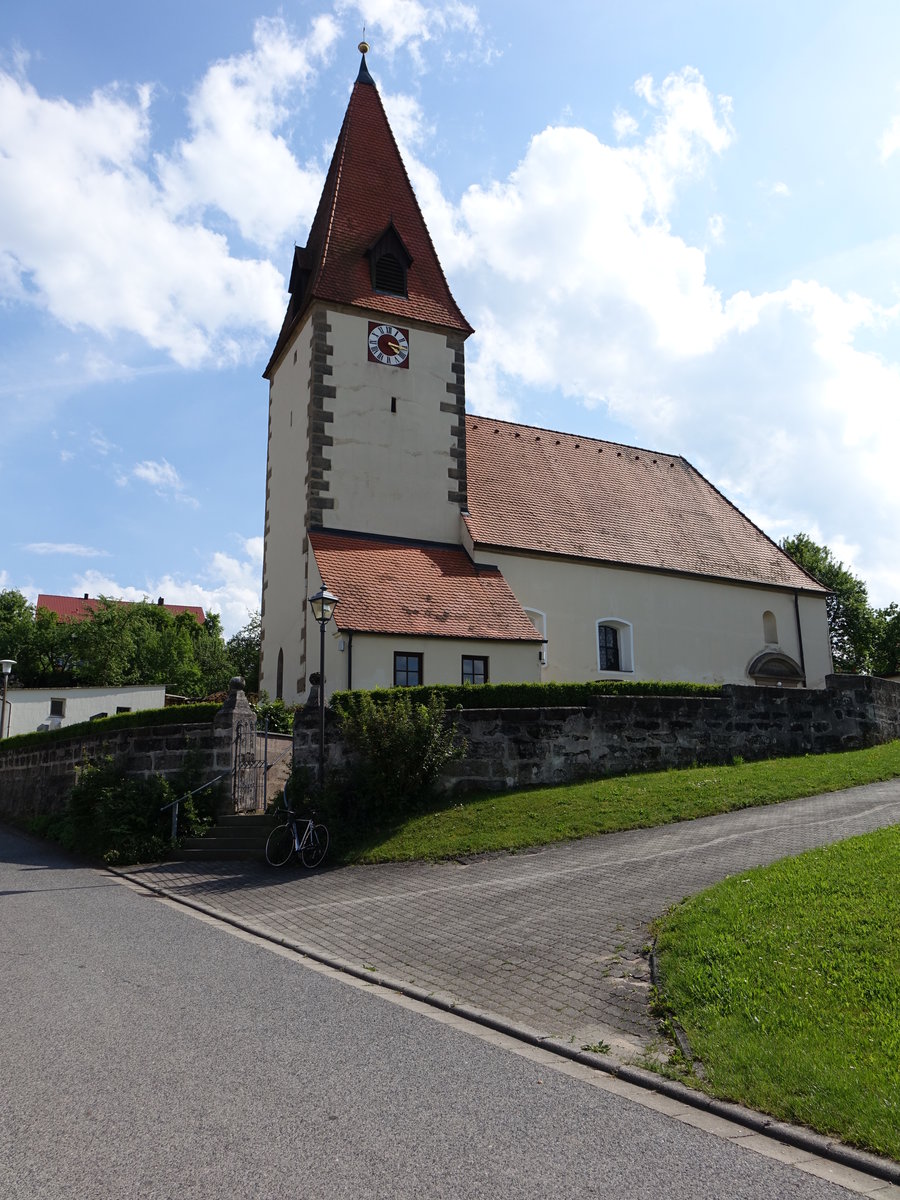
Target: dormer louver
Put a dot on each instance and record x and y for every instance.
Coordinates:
(389, 261)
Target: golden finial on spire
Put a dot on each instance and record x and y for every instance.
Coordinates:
(363, 46)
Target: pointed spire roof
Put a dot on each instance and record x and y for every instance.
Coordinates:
(367, 192)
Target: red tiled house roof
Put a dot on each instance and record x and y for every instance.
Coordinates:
(536, 490)
(75, 608)
(366, 190)
(418, 589)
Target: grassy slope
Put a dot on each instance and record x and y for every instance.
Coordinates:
(514, 820)
(787, 982)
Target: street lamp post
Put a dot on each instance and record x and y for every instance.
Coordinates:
(323, 605)
(6, 665)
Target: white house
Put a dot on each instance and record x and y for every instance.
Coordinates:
(463, 548)
(30, 709)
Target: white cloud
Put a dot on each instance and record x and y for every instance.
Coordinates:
(73, 548)
(889, 142)
(780, 188)
(789, 399)
(235, 160)
(393, 25)
(229, 585)
(85, 232)
(162, 477)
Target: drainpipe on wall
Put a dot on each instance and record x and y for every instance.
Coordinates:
(350, 661)
(799, 635)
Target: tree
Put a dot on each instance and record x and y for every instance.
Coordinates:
(851, 623)
(16, 619)
(243, 650)
(886, 641)
(113, 645)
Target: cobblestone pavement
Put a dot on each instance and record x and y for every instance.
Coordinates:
(552, 940)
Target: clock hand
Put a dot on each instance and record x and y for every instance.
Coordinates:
(393, 347)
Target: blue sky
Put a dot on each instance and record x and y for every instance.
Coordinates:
(672, 224)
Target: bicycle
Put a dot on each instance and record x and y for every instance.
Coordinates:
(286, 840)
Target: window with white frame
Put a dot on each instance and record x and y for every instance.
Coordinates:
(615, 645)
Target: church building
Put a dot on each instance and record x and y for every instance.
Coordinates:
(463, 548)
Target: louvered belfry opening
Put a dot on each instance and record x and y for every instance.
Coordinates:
(390, 261)
(390, 275)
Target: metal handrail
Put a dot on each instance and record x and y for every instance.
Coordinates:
(173, 804)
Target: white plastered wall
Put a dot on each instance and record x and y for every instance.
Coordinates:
(284, 594)
(389, 469)
(702, 631)
(27, 708)
(373, 660)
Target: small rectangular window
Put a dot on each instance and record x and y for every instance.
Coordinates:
(609, 647)
(123, 708)
(407, 670)
(474, 669)
(57, 708)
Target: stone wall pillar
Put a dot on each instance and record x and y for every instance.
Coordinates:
(234, 712)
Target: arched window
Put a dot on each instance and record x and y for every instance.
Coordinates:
(770, 629)
(615, 645)
(279, 677)
(774, 669)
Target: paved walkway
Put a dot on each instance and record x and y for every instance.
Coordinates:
(550, 940)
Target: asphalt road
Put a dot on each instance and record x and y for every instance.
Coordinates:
(146, 1053)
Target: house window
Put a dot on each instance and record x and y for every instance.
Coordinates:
(474, 669)
(615, 645)
(608, 648)
(279, 677)
(407, 670)
(123, 708)
(57, 708)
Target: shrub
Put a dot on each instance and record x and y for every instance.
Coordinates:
(279, 714)
(116, 818)
(182, 714)
(400, 747)
(528, 695)
(120, 819)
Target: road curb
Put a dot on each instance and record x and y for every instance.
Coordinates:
(795, 1136)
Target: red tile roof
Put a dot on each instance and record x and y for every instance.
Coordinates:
(416, 588)
(75, 608)
(366, 189)
(554, 493)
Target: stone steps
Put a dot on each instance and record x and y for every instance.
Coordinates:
(235, 836)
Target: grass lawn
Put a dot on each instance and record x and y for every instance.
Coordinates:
(534, 817)
(787, 982)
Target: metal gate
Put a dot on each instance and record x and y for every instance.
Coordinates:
(248, 788)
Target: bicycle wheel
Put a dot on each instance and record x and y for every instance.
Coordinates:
(316, 846)
(280, 845)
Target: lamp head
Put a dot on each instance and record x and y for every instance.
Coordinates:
(7, 664)
(323, 605)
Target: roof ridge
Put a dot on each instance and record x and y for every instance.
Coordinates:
(584, 437)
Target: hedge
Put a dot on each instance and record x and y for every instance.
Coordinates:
(529, 695)
(181, 714)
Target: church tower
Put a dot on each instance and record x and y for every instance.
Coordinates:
(367, 428)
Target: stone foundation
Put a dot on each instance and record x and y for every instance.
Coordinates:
(509, 748)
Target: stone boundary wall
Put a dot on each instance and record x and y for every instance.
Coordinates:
(615, 735)
(40, 779)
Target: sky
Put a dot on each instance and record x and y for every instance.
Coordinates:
(671, 224)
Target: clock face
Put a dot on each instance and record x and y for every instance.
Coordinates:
(388, 345)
